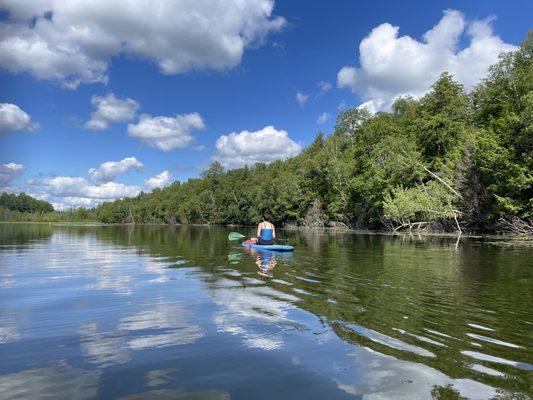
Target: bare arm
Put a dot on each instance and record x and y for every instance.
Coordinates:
(273, 231)
(258, 230)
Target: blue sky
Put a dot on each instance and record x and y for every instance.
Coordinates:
(196, 86)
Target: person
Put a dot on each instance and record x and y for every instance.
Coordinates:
(266, 232)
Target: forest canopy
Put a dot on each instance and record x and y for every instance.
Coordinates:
(24, 203)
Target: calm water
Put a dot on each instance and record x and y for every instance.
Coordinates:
(180, 312)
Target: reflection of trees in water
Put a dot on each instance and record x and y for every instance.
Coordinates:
(424, 293)
(175, 242)
(20, 234)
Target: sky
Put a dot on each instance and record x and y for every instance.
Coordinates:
(100, 100)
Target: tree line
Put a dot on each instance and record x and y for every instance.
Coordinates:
(450, 160)
(12, 205)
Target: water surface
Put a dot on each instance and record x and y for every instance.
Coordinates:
(180, 312)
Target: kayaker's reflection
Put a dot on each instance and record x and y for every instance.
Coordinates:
(265, 261)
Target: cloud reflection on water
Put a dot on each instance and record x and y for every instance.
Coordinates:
(386, 377)
(169, 317)
(103, 349)
(56, 381)
(257, 313)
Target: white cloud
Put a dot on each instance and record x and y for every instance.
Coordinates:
(12, 119)
(167, 133)
(324, 86)
(65, 192)
(301, 98)
(80, 187)
(109, 110)
(8, 172)
(373, 106)
(73, 42)
(393, 65)
(109, 170)
(342, 106)
(322, 118)
(158, 181)
(247, 148)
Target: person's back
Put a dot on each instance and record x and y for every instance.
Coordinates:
(266, 232)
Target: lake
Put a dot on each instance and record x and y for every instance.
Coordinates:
(180, 312)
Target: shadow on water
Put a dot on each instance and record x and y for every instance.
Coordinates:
(354, 314)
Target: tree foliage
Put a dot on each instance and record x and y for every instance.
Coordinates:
(23, 203)
(449, 156)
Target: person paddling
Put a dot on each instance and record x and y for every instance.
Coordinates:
(266, 232)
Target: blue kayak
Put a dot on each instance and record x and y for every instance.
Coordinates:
(268, 247)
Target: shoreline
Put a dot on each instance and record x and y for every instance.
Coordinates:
(378, 232)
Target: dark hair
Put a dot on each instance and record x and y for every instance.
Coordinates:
(266, 216)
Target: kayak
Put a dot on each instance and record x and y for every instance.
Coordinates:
(268, 247)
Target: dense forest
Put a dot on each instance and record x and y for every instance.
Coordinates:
(22, 205)
(450, 160)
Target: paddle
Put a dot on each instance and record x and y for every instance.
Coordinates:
(235, 236)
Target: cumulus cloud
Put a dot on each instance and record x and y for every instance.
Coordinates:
(158, 181)
(109, 170)
(65, 192)
(63, 186)
(373, 106)
(322, 118)
(109, 110)
(393, 65)
(167, 133)
(12, 119)
(72, 42)
(301, 98)
(247, 148)
(8, 172)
